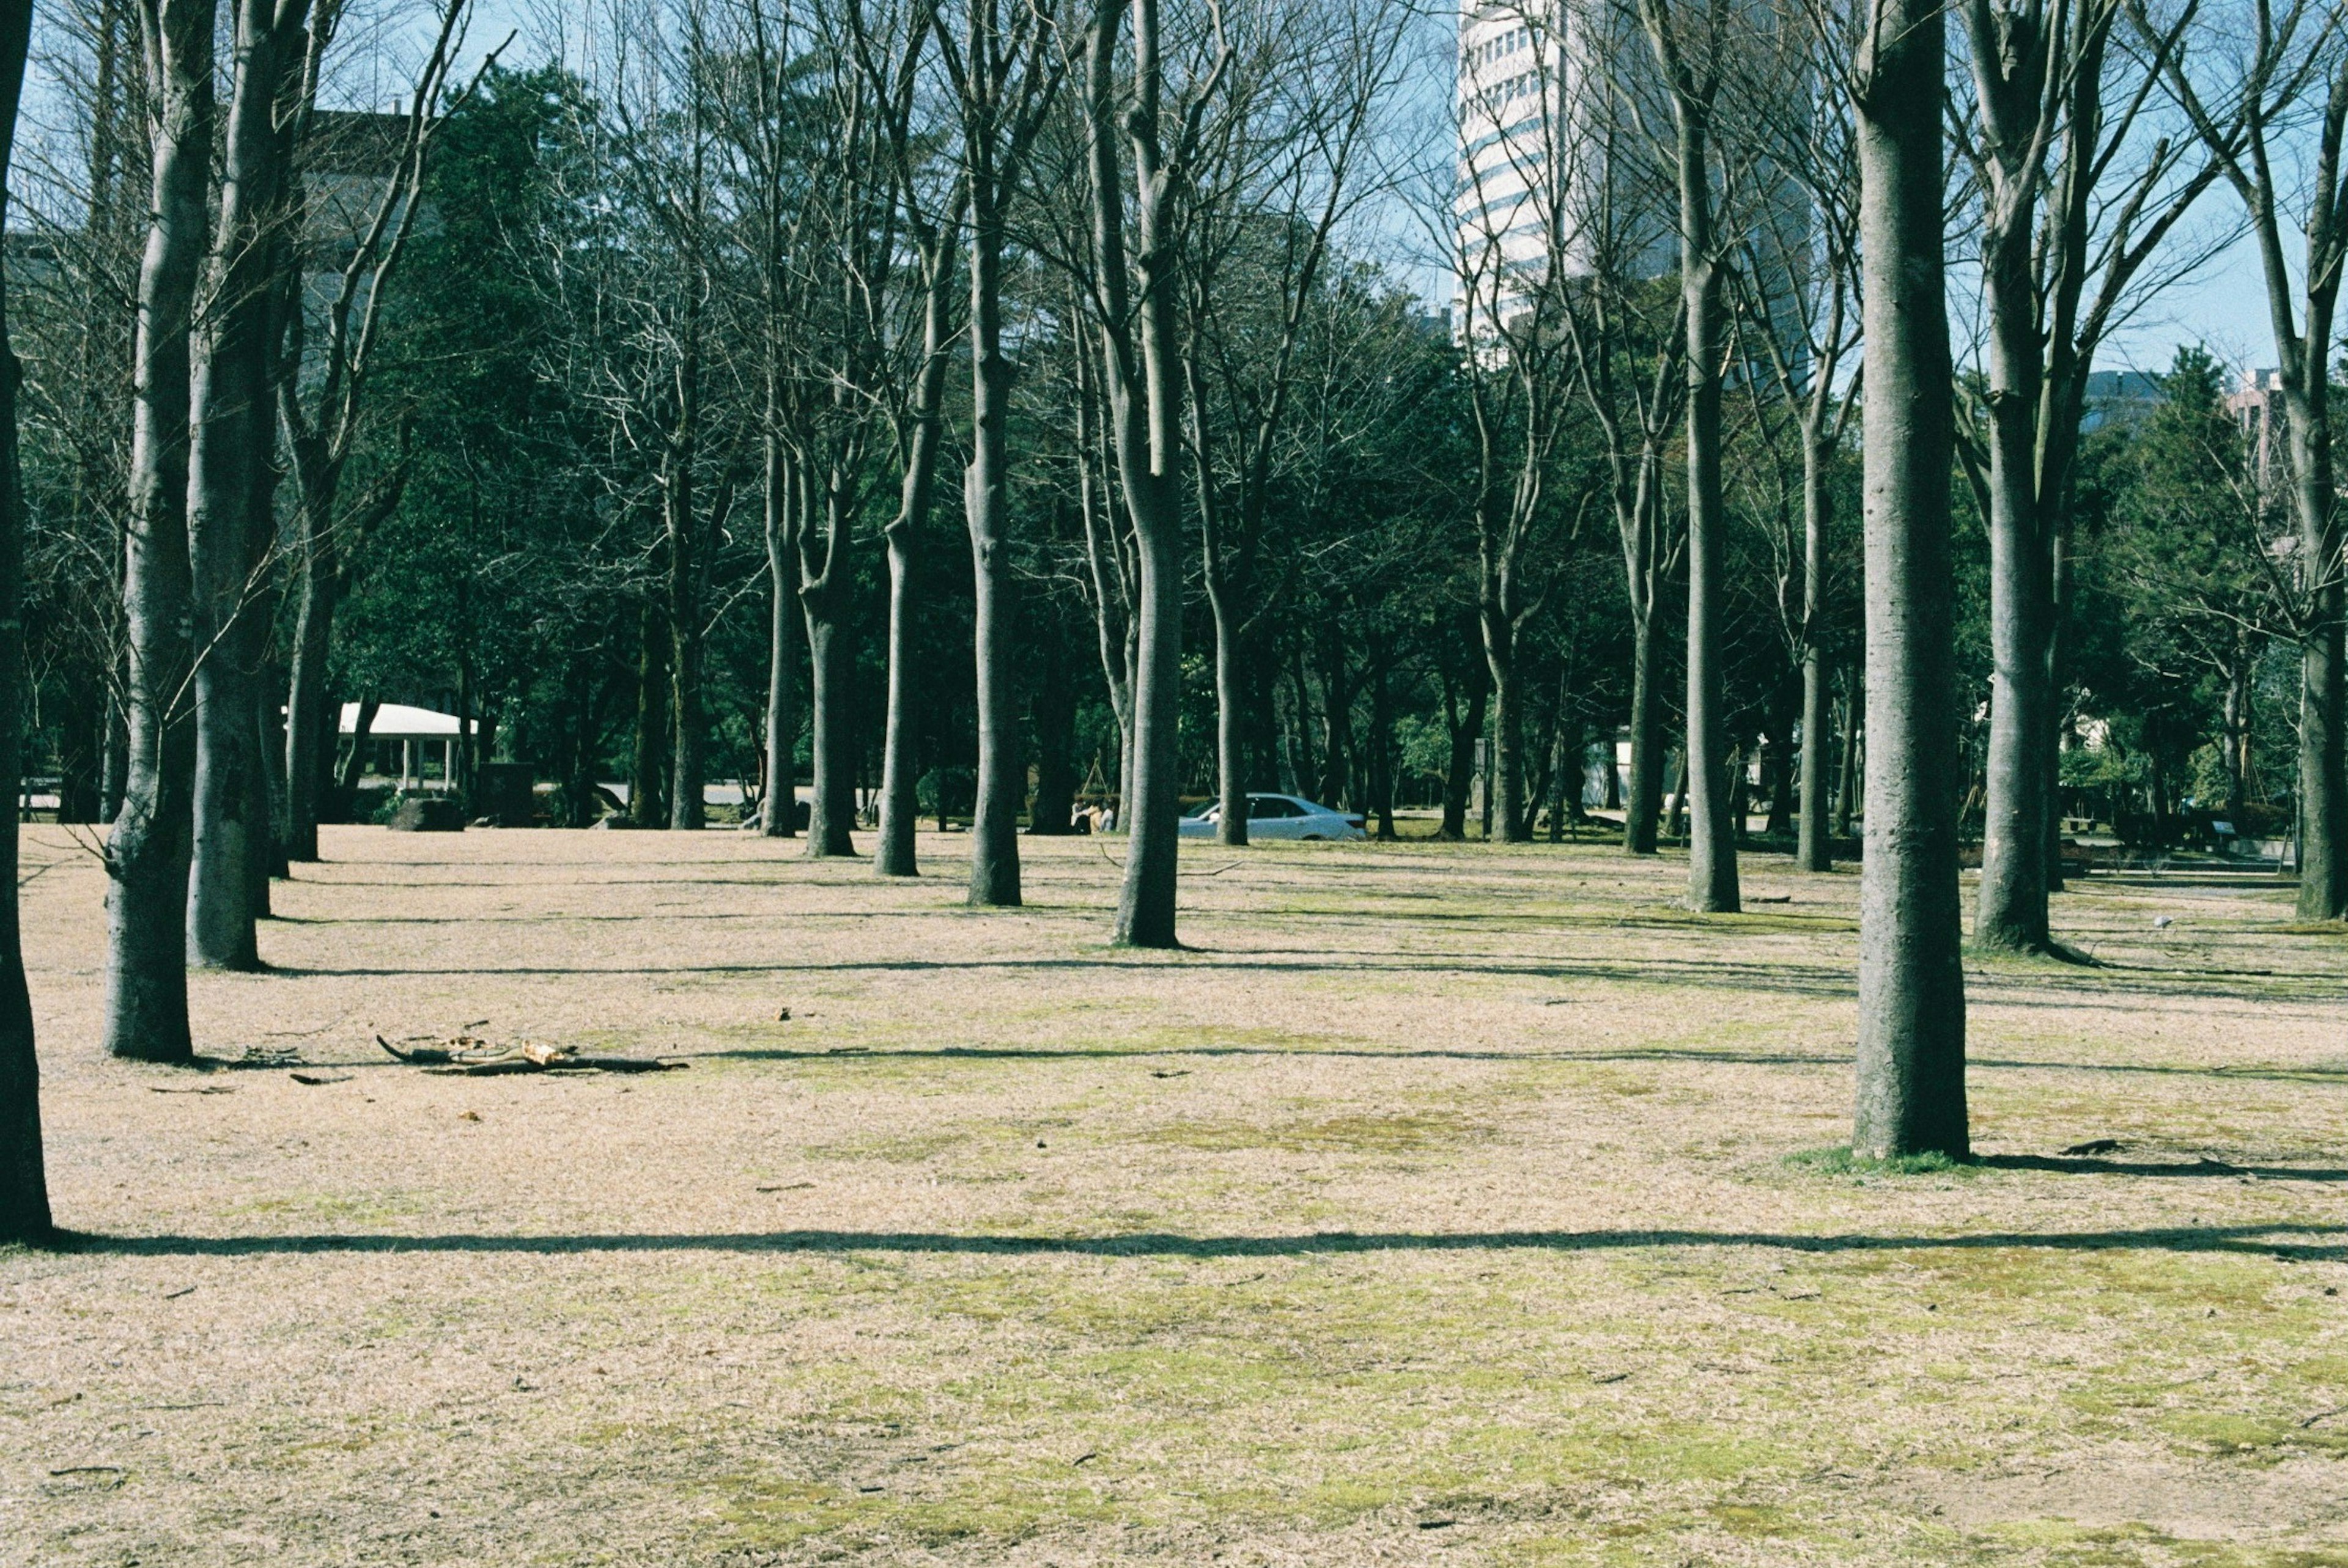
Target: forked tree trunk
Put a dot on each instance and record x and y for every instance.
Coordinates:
(24, 1182)
(1145, 409)
(231, 481)
(147, 855)
(1459, 777)
(1910, 1081)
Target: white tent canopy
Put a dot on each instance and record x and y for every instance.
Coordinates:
(411, 727)
(398, 722)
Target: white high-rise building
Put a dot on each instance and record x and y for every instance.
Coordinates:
(1529, 123)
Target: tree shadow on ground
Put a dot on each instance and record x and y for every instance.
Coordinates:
(1693, 1056)
(2263, 1240)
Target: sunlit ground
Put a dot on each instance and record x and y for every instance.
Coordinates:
(1441, 1204)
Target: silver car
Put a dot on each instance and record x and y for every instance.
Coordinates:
(1278, 816)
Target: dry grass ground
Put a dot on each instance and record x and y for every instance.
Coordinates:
(1436, 1208)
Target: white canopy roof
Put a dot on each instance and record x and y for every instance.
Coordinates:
(397, 721)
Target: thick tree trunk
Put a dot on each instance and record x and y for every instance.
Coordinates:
(147, 855)
(832, 815)
(24, 1183)
(231, 482)
(2011, 915)
(1145, 398)
(1642, 802)
(986, 508)
(1910, 1081)
(2323, 654)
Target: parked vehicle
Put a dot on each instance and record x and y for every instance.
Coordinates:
(1278, 816)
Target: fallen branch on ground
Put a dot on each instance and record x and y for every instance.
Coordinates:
(463, 1057)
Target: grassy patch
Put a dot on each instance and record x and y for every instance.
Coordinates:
(1841, 1162)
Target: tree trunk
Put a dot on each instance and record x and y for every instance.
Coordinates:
(1811, 850)
(1910, 1081)
(355, 763)
(1382, 748)
(1508, 801)
(832, 815)
(1714, 821)
(232, 480)
(900, 810)
(778, 814)
(1230, 703)
(648, 772)
(687, 809)
(1642, 803)
(309, 710)
(2323, 655)
(24, 1182)
(147, 855)
(2012, 911)
(1145, 402)
(1850, 784)
(986, 508)
(1459, 777)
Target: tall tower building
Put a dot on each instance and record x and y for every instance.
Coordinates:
(1527, 123)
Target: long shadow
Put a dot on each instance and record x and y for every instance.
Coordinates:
(2237, 1239)
(2315, 1075)
(1825, 981)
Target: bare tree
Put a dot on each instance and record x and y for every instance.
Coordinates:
(2070, 226)
(2285, 102)
(1005, 73)
(1912, 1004)
(1799, 290)
(320, 415)
(1694, 45)
(1282, 170)
(1141, 378)
(147, 855)
(231, 481)
(24, 1182)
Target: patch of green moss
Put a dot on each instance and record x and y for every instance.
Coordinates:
(1841, 1162)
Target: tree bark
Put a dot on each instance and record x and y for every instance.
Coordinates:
(648, 772)
(1145, 399)
(986, 508)
(309, 707)
(24, 1181)
(687, 809)
(832, 815)
(231, 481)
(1812, 852)
(1910, 1079)
(1642, 802)
(1465, 728)
(779, 812)
(147, 853)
